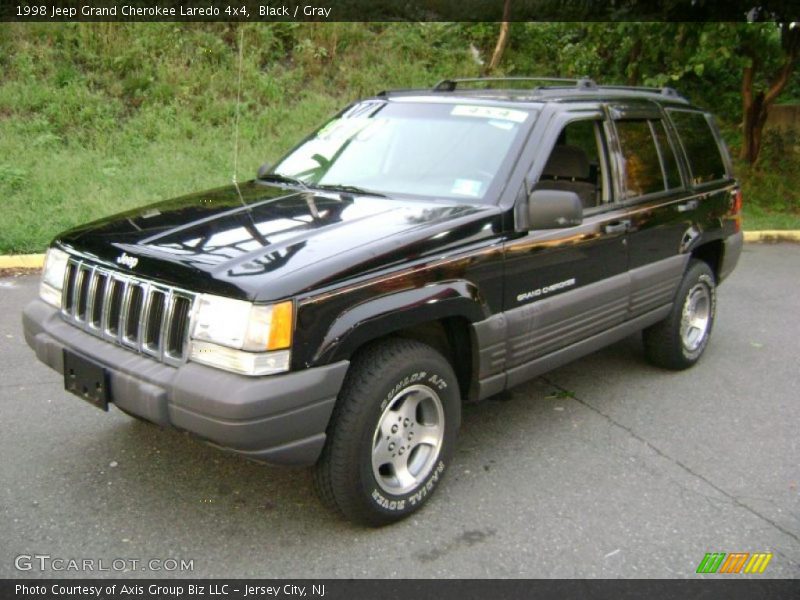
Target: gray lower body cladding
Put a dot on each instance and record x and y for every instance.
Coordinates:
(277, 419)
(531, 339)
(732, 250)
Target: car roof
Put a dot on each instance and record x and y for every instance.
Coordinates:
(533, 90)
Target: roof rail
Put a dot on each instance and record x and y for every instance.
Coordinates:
(384, 93)
(450, 85)
(539, 84)
(664, 91)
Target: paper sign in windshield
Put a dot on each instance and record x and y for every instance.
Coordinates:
(466, 187)
(489, 112)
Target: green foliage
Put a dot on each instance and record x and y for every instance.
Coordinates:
(97, 118)
(702, 60)
(770, 189)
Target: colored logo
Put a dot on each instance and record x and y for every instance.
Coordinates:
(734, 562)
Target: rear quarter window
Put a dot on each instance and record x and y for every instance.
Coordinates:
(700, 145)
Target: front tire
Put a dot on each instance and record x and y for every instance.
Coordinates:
(678, 341)
(392, 433)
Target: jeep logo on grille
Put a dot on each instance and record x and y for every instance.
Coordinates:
(128, 261)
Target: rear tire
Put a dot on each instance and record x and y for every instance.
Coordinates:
(392, 433)
(678, 341)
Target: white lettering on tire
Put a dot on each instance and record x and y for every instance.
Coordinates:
(414, 498)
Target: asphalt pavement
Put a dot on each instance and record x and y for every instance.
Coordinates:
(607, 467)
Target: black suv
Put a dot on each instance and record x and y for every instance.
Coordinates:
(423, 248)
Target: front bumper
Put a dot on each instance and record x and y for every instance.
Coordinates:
(277, 419)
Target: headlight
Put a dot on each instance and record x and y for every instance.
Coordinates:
(55, 264)
(243, 337)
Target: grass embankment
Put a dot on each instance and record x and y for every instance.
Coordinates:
(99, 118)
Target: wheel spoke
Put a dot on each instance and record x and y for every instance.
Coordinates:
(430, 435)
(389, 419)
(698, 323)
(409, 408)
(404, 477)
(381, 454)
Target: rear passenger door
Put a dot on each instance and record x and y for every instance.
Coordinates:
(708, 171)
(661, 214)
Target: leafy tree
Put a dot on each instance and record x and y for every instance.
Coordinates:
(772, 55)
(739, 69)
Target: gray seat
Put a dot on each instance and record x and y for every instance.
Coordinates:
(568, 169)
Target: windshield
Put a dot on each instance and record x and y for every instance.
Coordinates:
(439, 150)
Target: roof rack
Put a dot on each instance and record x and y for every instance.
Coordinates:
(450, 85)
(664, 91)
(539, 85)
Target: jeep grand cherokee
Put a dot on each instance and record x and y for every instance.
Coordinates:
(421, 249)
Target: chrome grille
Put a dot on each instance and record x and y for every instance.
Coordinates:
(135, 313)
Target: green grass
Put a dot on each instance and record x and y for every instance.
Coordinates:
(757, 219)
(50, 184)
(95, 119)
(98, 118)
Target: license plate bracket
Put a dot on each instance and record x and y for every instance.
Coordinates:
(86, 379)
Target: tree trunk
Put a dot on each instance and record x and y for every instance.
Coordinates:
(749, 110)
(755, 108)
(755, 115)
(502, 39)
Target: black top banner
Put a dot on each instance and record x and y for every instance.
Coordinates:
(395, 589)
(397, 10)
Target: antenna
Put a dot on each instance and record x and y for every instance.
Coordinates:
(236, 128)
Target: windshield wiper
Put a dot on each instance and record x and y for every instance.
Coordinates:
(283, 179)
(353, 189)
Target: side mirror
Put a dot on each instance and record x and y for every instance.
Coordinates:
(551, 209)
(263, 170)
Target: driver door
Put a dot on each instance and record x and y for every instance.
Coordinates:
(565, 285)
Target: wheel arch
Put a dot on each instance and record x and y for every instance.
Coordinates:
(439, 315)
(711, 253)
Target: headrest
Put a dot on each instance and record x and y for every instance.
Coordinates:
(567, 162)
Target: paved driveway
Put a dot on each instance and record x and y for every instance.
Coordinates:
(604, 468)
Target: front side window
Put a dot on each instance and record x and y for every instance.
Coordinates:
(700, 145)
(577, 163)
(426, 149)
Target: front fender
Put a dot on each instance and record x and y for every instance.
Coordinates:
(386, 314)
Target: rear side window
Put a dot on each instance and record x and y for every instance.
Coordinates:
(700, 145)
(671, 171)
(643, 173)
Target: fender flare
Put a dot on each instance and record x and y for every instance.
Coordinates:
(392, 312)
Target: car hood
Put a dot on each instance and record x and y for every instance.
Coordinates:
(267, 242)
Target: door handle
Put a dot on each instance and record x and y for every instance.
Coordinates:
(618, 226)
(688, 205)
